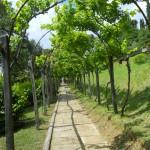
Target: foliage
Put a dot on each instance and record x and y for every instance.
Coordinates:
(89, 32)
(97, 33)
(141, 59)
(6, 14)
(87, 36)
(27, 136)
(21, 96)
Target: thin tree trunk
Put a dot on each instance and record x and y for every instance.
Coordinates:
(148, 10)
(89, 84)
(48, 91)
(53, 88)
(112, 81)
(92, 88)
(74, 82)
(43, 93)
(52, 85)
(128, 91)
(56, 85)
(34, 93)
(106, 96)
(80, 83)
(84, 83)
(98, 86)
(9, 129)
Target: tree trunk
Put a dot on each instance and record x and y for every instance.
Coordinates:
(9, 129)
(53, 88)
(106, 96)
(97, 86)
(148, 11)
(112, 82)
(48, 91)
(89, 85)
(84, 83)
(34, 94)
(92, 88)
(43, 92)
(74, 82)
(80, 83)
(128, 91)
(56, 85)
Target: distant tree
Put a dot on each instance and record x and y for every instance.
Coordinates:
(142, 24)
(134, 23)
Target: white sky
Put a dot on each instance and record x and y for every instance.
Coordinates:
(35, 32)
(132, 7)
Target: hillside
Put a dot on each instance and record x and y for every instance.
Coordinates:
(135, 125)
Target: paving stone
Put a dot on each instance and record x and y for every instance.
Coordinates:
(65, 140)
(93, 140)
(66, 147)
(64, 135)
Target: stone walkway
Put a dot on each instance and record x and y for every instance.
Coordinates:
(73, 130)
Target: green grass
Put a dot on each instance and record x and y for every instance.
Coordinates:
(26, 136)
(137, 115)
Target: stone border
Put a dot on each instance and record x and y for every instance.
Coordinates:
(48, 139)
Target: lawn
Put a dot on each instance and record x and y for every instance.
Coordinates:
(26, 136)
(137, 115)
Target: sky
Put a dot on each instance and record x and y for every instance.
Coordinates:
(35, 32)
(133, 7)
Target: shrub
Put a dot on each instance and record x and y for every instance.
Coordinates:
(21, 96)
(38, 89)
(20, 93)
(141, 59)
